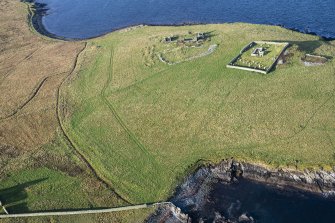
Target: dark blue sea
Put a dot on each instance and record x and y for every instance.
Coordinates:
(89, 18)
(267, 204)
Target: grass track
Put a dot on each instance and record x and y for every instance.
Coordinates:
(118, 118)
(127, 134)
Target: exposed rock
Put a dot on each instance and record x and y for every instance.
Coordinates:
(169, 214)
(192, 195)
(219, 218)
(315, 181)
(313, 60)
(244, 218)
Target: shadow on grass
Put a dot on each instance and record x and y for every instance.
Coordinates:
(13, 197)
(210, 34)
(304, 46)
(307, 47)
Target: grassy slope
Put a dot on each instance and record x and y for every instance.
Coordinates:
(142, 126)
(32, 148)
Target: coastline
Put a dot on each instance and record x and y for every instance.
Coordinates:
(38, 10)
(192, 196)
(258, 173)
(34, 19)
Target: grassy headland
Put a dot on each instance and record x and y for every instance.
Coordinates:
(142, 124)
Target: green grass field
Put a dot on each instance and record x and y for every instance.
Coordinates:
(143, 124)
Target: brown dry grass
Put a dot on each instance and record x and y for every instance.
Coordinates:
(31, 69)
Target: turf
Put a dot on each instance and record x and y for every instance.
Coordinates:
(143, 124)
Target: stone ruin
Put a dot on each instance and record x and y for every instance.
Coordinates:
(197, 37)
(258, 52)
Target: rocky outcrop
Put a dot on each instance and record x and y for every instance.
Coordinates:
(169, 213)
(315, 181)
(192, 195)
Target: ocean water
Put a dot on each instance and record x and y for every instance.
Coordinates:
(87, 18)
(267, 204)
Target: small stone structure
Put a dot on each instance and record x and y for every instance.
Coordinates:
(313, 60)
(169, 39)
(258, 52)
(188, 39)
(200, 36)
(197, 37)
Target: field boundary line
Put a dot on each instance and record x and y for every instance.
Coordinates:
(71, 143)
(31, 96)
(14, 67)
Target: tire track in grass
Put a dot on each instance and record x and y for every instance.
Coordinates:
(136, 83)
(306, 124)
(151, 159)
(204, 123)
(19, 47)
(80, 155)
(131, 135)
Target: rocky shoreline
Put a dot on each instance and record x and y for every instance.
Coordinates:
(192, 196)
(35, 15)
